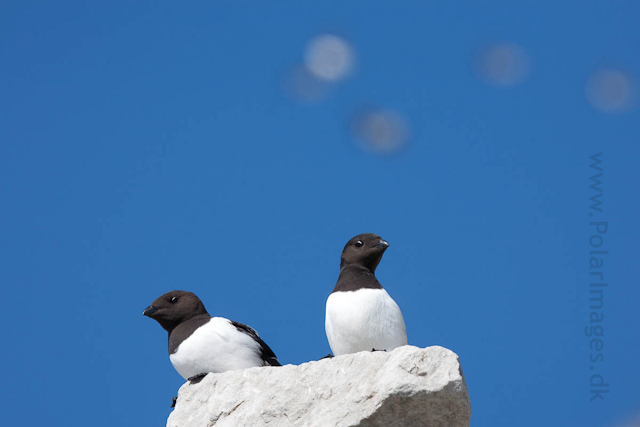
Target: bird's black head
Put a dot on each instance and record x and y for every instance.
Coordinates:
(175, 307)
(363, 250)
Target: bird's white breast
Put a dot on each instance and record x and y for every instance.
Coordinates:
(216, 346)
(363, 320)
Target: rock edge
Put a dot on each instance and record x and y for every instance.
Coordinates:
(409, 386)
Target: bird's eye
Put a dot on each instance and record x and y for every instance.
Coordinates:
(174, 300)
(358, 243)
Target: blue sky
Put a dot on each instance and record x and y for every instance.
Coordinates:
(151, 146)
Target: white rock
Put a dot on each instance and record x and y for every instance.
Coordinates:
(407, 387)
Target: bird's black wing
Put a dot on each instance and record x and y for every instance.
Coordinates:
(266, 354)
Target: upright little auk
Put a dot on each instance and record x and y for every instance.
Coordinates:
(360, 314)
(199, 343)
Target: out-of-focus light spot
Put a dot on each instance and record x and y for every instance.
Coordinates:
(304, 87)
(380, 131)
(329, 58)
(632, 421)
(505, 64)
(610, 90)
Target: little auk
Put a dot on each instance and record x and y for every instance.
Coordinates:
(199, 343)
(360, 314)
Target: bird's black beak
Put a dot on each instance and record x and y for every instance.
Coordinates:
(383, 244)
(150, 310)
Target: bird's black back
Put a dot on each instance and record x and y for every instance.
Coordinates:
(266, 354)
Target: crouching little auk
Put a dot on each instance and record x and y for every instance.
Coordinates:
(199, 343)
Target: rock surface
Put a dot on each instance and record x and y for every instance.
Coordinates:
(407, 387)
